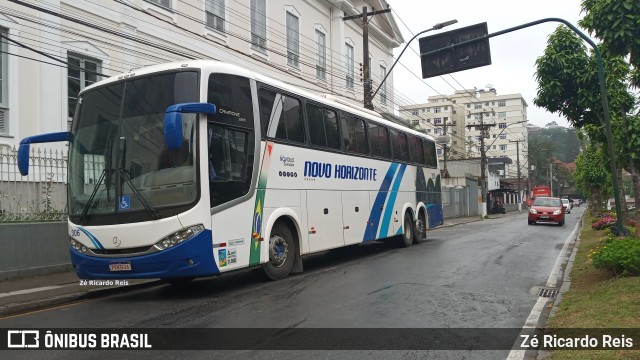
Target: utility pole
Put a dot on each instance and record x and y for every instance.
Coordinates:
(445, 146)
(366, 70)
(518, 165)
(484, 132)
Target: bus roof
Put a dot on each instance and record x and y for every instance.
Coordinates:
(219, 66)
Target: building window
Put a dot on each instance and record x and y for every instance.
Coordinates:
(436, 109)
(81, 73)
(468, 106)
(437, 121)
(439, 151)
(428, 109)
(454, 123)
(321, 64)
(428, 131)
(503, 147)
(350, 65)
(446, 108)
(215, 14)
(477, 106)
(502, 114)
(469, 138)
(163, 3)
(486, 104)
(494, 147)
(415, 122)
(437, 131)
(415, 112)
(4, 93)
(259, 25)
(502, 103)
(479, 148)
(503, 136)
(383, 86)
(293, 40)
(502, 125)
(426, 121)
(455, 132)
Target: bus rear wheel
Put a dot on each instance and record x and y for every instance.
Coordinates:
(421, 228)
(282, 252)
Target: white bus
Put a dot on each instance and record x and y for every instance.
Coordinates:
(197, 168)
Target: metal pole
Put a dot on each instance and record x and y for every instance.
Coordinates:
(551, 176)
(483, 160)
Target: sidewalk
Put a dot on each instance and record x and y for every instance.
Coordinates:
(28, 294)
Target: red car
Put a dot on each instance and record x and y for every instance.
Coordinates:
(546, 209)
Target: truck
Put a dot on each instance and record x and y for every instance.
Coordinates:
(538, 190)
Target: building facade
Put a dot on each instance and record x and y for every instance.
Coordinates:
(52, 49)
(453, 119)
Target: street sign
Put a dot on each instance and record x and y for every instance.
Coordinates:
(457, 58)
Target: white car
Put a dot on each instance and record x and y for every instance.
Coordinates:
(567, 206)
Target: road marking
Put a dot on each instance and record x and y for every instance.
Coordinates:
(38, 289)
(552, 282)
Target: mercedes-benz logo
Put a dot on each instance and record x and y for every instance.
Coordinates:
(116, 241)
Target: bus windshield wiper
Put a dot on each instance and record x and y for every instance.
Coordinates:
(143, 199)
(85, 210)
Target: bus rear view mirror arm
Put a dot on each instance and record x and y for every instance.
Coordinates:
(23, 150)
(173, 121)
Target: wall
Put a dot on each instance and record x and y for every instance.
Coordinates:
(44, 250)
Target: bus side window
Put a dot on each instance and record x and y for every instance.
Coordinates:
(430, 154)
(281, 116)
(379, 137)
(354, 134)
(417, 152)
(323, 127)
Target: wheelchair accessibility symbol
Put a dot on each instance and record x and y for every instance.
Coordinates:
(124, 203)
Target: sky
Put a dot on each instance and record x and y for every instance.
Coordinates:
(513, 55)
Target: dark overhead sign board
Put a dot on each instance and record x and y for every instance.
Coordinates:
(458, 58)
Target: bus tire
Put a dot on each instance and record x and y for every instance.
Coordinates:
(421, 228)
(282, 252)
(408, 231)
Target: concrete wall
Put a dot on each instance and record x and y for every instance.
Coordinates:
(33, 249)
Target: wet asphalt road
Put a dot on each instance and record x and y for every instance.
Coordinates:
(478, 275)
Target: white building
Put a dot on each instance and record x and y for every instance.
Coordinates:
(52, 49)
(457, 113)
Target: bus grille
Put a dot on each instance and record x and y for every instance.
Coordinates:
(135, 250)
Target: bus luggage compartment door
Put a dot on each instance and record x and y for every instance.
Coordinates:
(324, 219)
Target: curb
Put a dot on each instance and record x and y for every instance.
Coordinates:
(37, 304)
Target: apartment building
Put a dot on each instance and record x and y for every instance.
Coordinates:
(52, 49)
(457, 116)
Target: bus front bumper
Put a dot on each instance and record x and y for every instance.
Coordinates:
(191, 258)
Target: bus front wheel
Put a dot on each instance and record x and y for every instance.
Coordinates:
(282, 252)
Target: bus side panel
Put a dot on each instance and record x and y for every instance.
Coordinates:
(231, 230)
(355, 215)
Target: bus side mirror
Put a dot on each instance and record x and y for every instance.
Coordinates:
(23, 150)
(173, 121)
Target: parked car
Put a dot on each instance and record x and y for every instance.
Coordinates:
(546, 209)
(576, 202)
(567, 205)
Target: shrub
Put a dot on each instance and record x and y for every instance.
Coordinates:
(604, 223)
(618, 255)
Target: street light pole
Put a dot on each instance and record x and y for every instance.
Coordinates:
(603, 99)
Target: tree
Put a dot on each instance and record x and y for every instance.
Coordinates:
(568, 84)
(592, 176)
(617, 24)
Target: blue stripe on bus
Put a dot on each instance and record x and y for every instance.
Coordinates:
(388, 211)
(374, 216)
(93, 239)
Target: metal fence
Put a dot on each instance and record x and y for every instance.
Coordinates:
(40, 196)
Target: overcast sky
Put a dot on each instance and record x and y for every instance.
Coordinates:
(513, 55)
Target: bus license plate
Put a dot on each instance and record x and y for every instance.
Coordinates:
(121, 266)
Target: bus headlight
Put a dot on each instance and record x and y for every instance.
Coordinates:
(178, 237)
(77, 246)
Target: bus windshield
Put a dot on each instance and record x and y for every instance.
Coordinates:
(120, 170)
